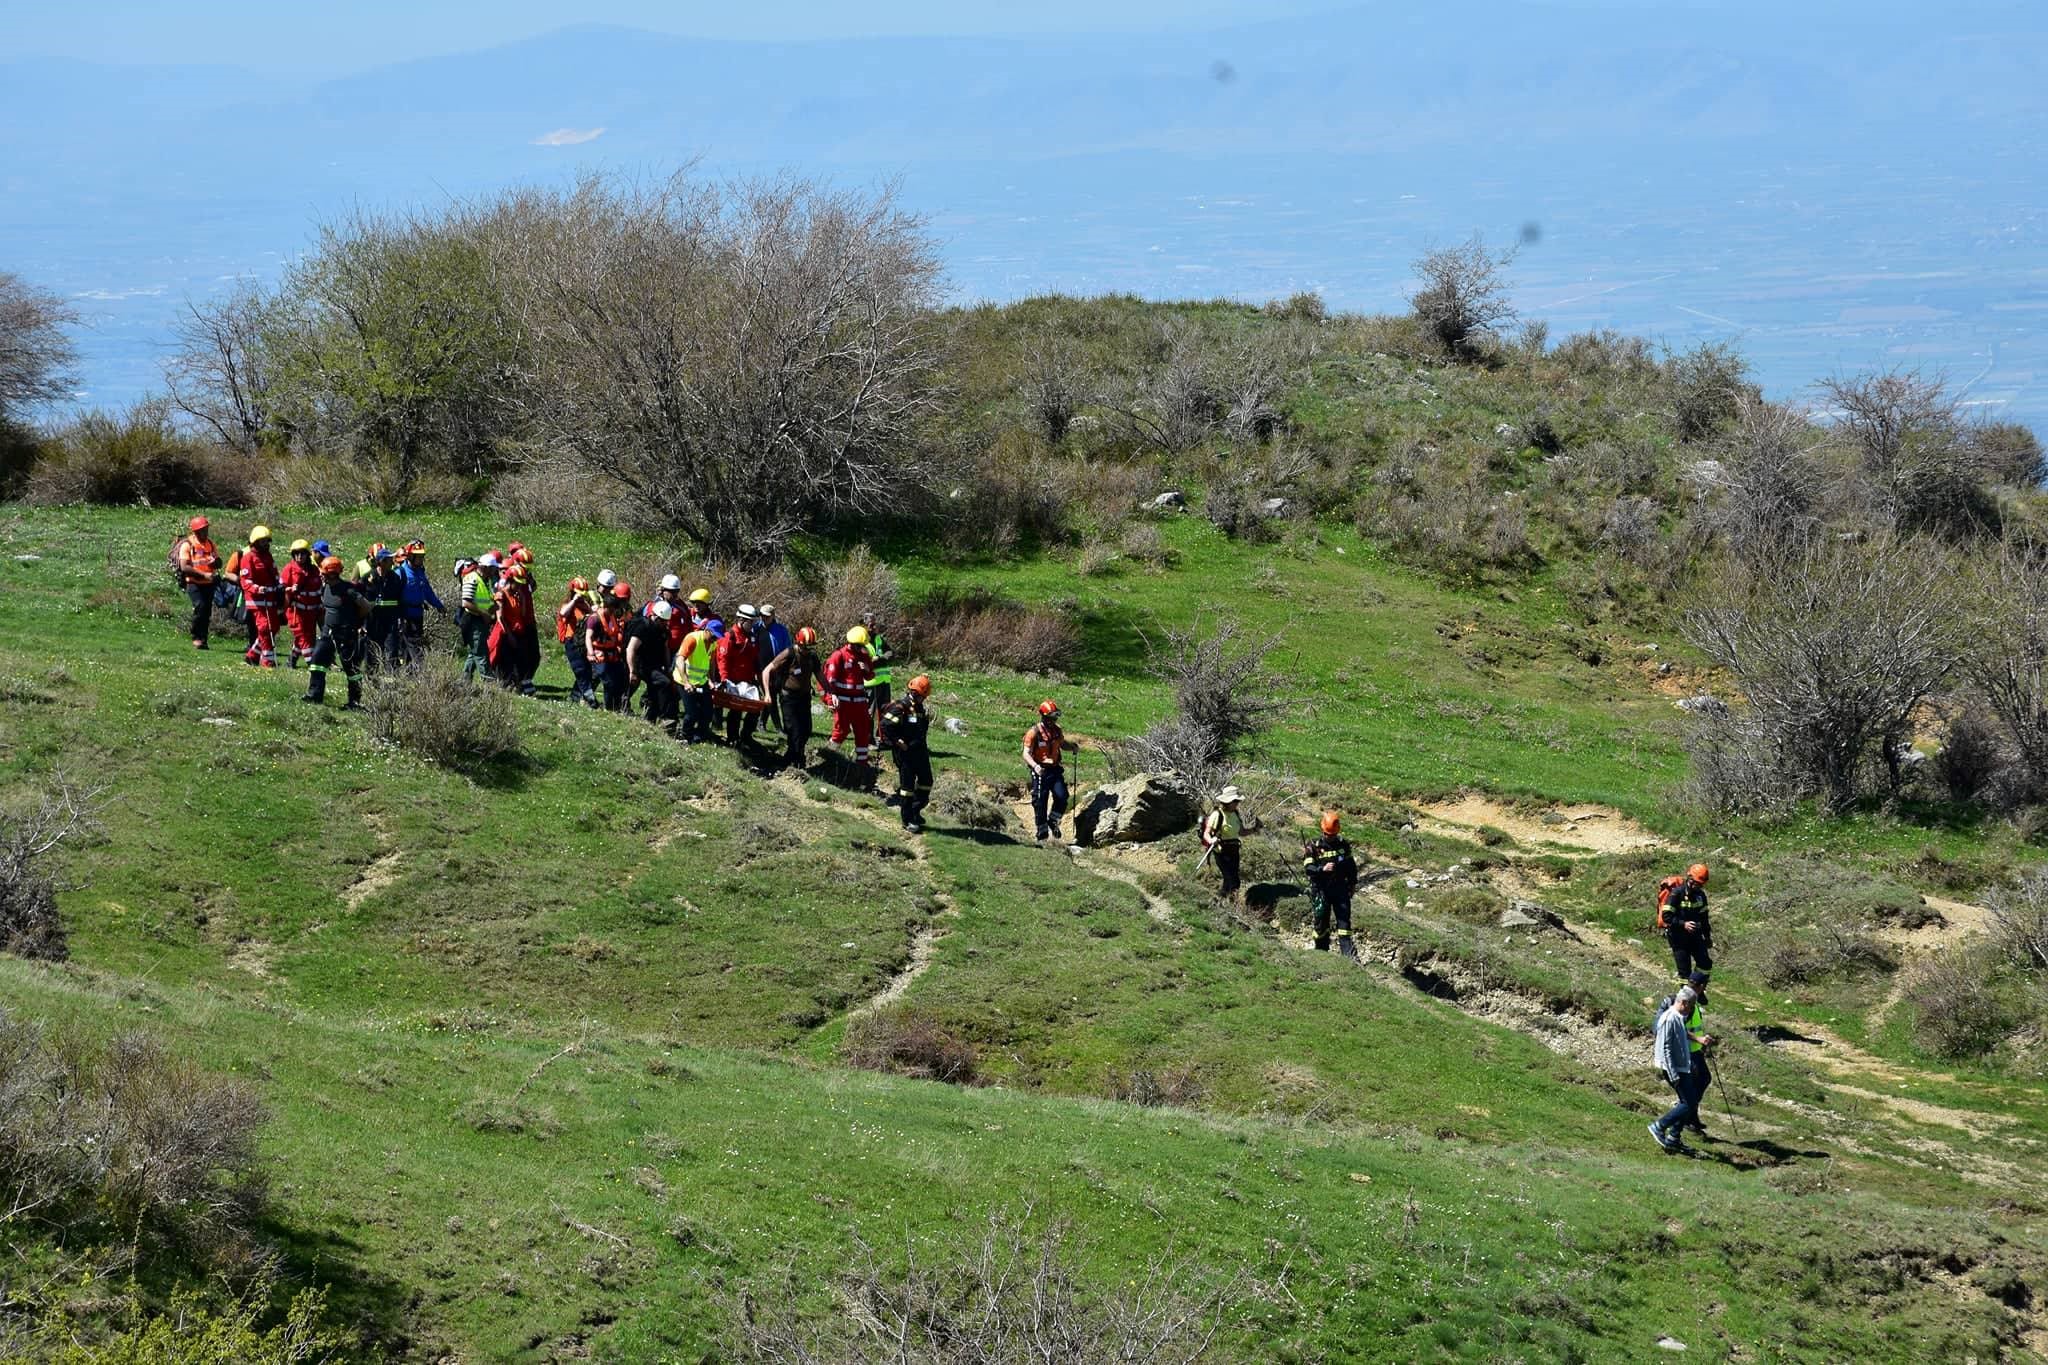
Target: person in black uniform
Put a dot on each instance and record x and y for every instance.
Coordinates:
(385, 592)
(343, 609)
(650, 665)
(1332, 878)
(906, 729)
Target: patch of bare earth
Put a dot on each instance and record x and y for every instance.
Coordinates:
(379, 873)
(1580, 828)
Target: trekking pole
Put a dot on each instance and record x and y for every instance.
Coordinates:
(1721, 1086)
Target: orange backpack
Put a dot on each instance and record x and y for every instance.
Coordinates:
(1666, 889)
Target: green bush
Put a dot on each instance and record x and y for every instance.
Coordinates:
(433, 711)
(137, 456)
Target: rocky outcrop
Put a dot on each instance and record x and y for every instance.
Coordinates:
(1137, 810)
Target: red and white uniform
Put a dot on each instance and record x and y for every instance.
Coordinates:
(263, 593)
(301, 584)
(847, 676)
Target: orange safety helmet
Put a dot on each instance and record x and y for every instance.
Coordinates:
(330, 565)
(196, 524)
(522, 555)
(1331, 820)
(623, 592)
(579, 585)
(807, 636)
(1048, 708)
(1698, 872)
(415, 547)
(921, 685)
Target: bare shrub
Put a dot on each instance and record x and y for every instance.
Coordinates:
(133, 1136)
(1962, 1012)
(1236, 511)
(1008, 496)
(909, 1042)
(136, 456)
(1094, 560)
(1789, 958)
(1708, 385)
(2009, 453)
(32, 828)
(1304, 305)
(1834, 646)
(1224, 696)
(1016, 1296)
(1912, 454)
(1054, 385)
(543, 491)
(748, 361)
(1630, 527)
(368, 480)
(2019, 920)
(1972, 755)
(2006, 657)
(1606, 354)
(35, 354)
(1463, 301)
(1771, 476)
(961, 801)
(1175, 1087)
(220, 375)
(976, 628)
(1446, 518)
(1175, 404)
(432, 711)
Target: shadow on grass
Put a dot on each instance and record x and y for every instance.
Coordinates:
(987, 838)
(372, 1307)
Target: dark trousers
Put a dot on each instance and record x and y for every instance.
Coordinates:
(336, 647)
(201, 597)
(913, 783)
(581, 689)
(1048, 798)
(1227, 856)
(740, 725)
(616, 686)
(697, 710)
(795, 708)
(476, 634)
(1687, 1110)
(1689, 952)
(658, 703)
(1702, 1077)
(880, 692)
(1330, 905)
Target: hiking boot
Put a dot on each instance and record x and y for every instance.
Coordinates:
(1664, 1140)
(1322, 945)
(1701, 1129)
(312, 700)
(1347, 947)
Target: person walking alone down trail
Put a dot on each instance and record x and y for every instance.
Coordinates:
(906, 729)
(1222, 833)
(198, 561)
(1682, 915)
(1332, 878)
(1045, 747)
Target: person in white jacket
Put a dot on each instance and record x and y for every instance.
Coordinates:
(1673, 1058)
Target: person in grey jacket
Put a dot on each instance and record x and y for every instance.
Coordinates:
(1673, 1058)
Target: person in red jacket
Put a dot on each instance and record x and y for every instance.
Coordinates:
(515, 637)
(263, 594)
(848, 675)
(300, 579)
(604, 641)
(737, 659)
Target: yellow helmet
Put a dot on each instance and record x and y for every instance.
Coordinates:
(701, 595)
(299, 545)
(857, 636)
(257, 533)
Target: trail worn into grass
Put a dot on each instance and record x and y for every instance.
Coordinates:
(380, 872)
(1584, 829)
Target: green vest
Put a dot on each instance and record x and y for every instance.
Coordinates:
(693, 661)
(878, 645)
(1694, 1027)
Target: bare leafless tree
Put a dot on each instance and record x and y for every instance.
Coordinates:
(1055, 387)
(1224, 696)
(1921, 471)
(1174, 404)
(220, 375)
(2007, 654)
(1463, 301)
(1834, 644)
(35, 354)
(747, 361)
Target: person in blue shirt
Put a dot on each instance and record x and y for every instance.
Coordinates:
(773, 637)
(415, 594)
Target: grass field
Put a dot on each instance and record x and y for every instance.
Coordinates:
(554, 1054)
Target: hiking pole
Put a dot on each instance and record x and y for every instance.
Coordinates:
(1722, 1086)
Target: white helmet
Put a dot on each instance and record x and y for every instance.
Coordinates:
(488, 560)
(663, 609)
(747, 611)
(607, 579)
(670, 583)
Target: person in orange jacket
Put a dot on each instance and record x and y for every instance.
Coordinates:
(198, 560)
(576, 607)
(515, 637)
(1045, 747)
(300, 579)
(263, 594)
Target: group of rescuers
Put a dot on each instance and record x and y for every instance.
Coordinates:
(687, 662)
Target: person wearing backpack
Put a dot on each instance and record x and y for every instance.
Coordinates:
(1682, 915)
(196, 561)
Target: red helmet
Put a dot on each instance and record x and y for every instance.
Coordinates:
(521, 554)
(807, 636)
(579, 585)
(623, 592)
(196, 524)
(1048, 708)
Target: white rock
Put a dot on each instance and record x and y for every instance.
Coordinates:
(955, 726)
(215, 720)
(1169, 501)
(1504, 429)
(1670, 1344)
(1414, 885)
(1274, 507)
(28, 559)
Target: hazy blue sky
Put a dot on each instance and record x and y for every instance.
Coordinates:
(326, 36)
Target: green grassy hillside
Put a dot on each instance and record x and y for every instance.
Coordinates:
(555, 1055)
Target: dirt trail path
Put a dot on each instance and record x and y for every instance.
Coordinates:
(1583, 829)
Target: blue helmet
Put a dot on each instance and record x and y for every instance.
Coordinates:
(320, 548)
